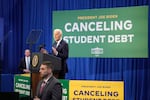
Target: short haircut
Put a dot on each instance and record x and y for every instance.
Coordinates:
(48, 64)
(27, 50)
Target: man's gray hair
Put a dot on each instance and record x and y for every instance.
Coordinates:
(58, 30)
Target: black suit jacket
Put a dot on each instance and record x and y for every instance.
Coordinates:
(22, 64)
(51, 91)
(63, 51)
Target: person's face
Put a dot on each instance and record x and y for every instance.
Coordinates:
(27, 53)
(57, 35)
(44, 71)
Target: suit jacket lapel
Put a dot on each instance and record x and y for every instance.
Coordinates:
(55, 43)
(47, 84)
(38, 89)
(59, 45)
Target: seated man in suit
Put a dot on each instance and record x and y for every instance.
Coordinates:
(49, 88)
(24, 64)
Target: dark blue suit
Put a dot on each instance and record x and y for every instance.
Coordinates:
(51, 91)
(63, 51)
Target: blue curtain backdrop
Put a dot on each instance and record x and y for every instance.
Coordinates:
(21, 16)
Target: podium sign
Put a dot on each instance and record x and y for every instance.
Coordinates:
(96, 90)
(78, 89)
(22, 84)
(65, 89)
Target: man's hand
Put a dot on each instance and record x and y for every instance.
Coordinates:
(55, 51)
(26, 70)
(36, 98)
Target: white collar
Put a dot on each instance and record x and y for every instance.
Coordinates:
(27, 57)
(59, 41)
(46, 79)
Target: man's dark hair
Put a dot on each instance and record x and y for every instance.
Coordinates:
(48, 64)
(41, 46)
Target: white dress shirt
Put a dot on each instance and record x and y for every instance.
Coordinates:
(27, 59)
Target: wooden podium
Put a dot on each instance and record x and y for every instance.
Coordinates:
(37, 59)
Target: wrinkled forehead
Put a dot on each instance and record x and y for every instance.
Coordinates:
(56, 33)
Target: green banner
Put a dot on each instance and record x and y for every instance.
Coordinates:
(76, 89)
(65, 86)
(110, 32)
(22, 85)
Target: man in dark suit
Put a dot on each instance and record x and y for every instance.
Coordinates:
(42, 49)
(24, 65)
(60, 49)
(49, 88)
